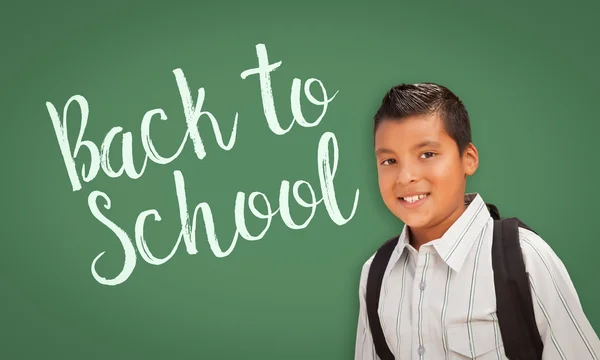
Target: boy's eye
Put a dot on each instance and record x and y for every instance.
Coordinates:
(428, 154)
(388, 162)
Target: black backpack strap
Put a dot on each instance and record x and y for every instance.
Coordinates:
(374, 280)
(515, 312)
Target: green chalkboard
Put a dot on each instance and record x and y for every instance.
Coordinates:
(197, 220)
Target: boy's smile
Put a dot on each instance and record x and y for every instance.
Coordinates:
(413, 201)
(422, 176)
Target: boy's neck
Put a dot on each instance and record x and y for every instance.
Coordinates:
(421, 236)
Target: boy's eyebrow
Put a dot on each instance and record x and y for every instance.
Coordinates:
(427, 143)
(384, 151)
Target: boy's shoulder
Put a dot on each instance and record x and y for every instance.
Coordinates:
(547, 272)
(366, 266)
(536, 251)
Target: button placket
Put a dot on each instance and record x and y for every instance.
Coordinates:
(425, 265)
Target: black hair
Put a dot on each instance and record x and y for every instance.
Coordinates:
(406, 100)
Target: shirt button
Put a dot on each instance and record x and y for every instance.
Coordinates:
(422, 285)
(421, 350)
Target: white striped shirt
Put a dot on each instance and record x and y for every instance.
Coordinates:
(440, 302)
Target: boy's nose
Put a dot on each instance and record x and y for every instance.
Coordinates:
(406, 175)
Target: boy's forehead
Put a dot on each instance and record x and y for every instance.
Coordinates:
(409, 130)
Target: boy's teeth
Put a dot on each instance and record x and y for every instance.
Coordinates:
(414, 198)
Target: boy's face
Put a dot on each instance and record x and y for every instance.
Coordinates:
(422, 177)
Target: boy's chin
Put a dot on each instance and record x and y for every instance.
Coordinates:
(416, 222)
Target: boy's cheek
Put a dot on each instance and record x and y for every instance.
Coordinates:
(386, 181)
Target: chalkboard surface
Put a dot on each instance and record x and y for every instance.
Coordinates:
(197, 179)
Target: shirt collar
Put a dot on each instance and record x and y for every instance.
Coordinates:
(454, 246)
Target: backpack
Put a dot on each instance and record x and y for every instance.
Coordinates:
(514, 303)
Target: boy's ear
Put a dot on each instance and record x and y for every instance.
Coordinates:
(470, 159)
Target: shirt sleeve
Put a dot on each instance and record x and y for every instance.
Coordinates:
(364, 347)
(565, 330)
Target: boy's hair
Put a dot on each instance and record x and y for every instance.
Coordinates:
(426, 98)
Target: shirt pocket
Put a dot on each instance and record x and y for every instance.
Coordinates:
(486, 344)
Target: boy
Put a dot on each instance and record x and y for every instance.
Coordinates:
(437, 298)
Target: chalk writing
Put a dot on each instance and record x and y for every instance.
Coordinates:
(99, 202)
